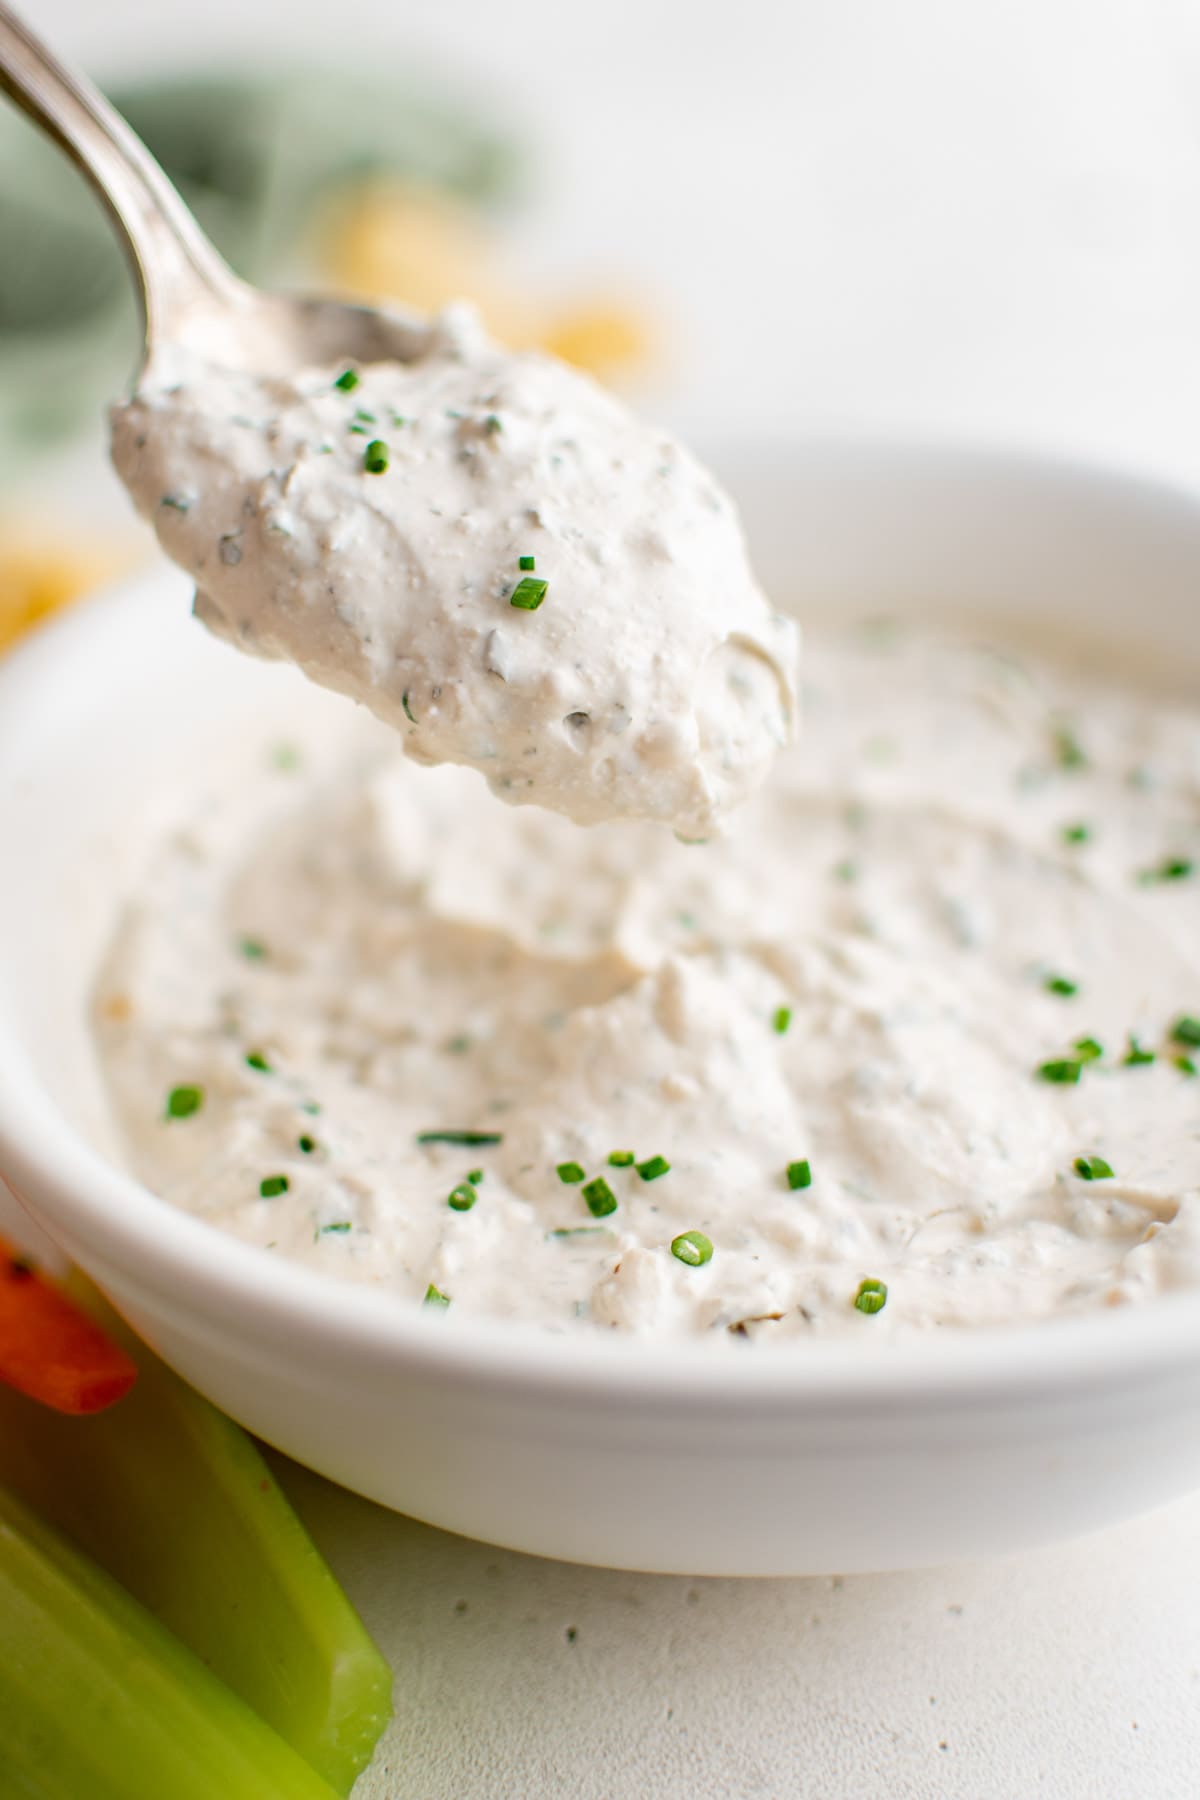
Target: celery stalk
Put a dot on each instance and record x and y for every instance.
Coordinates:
(174, 1501)
(97, 1699)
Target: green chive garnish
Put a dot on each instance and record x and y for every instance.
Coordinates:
(1076, 834)
(529, 594)
(256, 1060)
(799, 1175)
(408, 711)
(1186, 1031)
(782, 1019)
(493, 423)
(570, 1172)
(468, 1139)
(621, 1159)
(270, 1185)
(307, 1144)
(365, 417)
(1185, 1065)
(1061, 985)
(1088, 1050)
(692, 1248)
(1172, 868)
(599, 1197)
(252, 949)
(653, 1167)
(526, 562)
(1092, 1168)
(1136, 1057)
(474, 1176)
(182, 1102)
(1064, 1071)
(871, 1296)
(375, 457)
(566, 1231)
(462, 1198)
(347, 381)
(1069, 752)
(435, 1297)
(338, 1225)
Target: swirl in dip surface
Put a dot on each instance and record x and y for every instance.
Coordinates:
(489, 552)
(940, 976)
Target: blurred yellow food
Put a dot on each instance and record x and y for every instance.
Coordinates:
(39, 572)
(389, 240)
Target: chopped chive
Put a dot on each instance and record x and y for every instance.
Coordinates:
(376, 457)
(468, 1139)
(653, 1167)
(286, 758)
(270, 1185)
(799, 1175)
(475, 1176)
(256, 1060)
(338, 1225)
(408, 711)
(1172, 868)
(1076, 834)
(1064, 1071)
(570, 1172)
(1092, 1168)
(599, 1197)
(306, 1144)
(692, 1248)
(310, 1106)
(253, 949)
(1136, 1057)
(399, 420)
(1068, 751)
(347, 381)
(527, 562)
(435, 1297)
(1185, 1064)
(462, 1198)
(1186, 1030)
(528, 594)
(846, 871)
(367, 418)
(566, 1231)
(1088, 1050)
(1061, 985)
(782, 1019)
(182, 1102)
(621, 1159)
(356, 430)
(492, 424)
(175, 502)
(871, 1296)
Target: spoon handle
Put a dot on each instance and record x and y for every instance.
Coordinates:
(170, 256)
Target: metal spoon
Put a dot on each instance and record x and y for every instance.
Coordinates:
(188, 294)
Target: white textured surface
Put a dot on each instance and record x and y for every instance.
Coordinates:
(976, 218)
(1072, 1672)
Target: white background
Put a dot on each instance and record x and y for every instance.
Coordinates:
(940, 217)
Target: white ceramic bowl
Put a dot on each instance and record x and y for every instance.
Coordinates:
(784, 1459)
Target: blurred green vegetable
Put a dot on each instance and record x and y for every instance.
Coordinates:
(173, 1500)
(99, 1702)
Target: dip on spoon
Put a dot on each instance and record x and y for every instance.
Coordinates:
(485, 549)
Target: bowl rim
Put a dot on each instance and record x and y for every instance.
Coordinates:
(68, 1186)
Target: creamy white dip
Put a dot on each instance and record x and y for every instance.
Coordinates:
(488, 551)
(973, 877)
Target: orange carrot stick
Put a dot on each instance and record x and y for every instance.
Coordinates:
(51, 1350)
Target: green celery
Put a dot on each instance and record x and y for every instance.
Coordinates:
(175, 1501)
(97, 1699)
